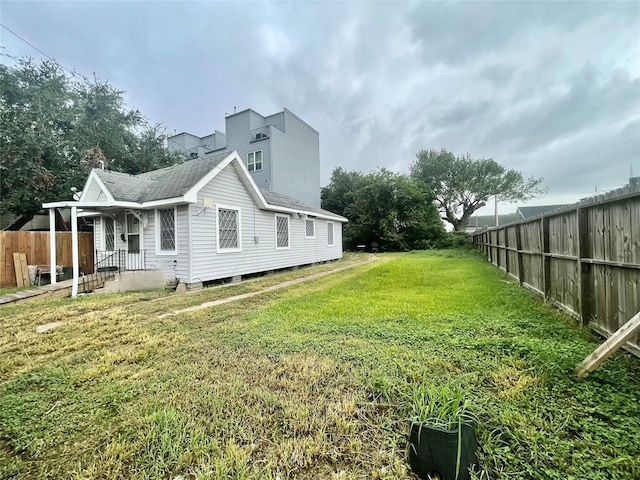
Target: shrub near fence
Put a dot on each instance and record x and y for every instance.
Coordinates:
(584, 259)
(36, 246)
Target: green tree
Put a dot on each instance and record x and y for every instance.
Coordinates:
(56, 128)
(339, 194)
(35, 121)
(390, 209)
(462, 185)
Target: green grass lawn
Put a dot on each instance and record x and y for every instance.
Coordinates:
(9, 290)
(311, 381)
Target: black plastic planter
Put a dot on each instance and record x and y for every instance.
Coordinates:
(433, 452)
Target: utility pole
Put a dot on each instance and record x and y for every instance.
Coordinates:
(495, 197)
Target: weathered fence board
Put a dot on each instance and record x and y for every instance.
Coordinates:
(585, 258)
(36, 247)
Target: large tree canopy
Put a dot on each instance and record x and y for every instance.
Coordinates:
(390, 209)
(54, 129)
(462, 185)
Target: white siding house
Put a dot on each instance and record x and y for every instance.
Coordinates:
(202, 220)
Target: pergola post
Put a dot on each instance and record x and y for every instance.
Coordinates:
(52, 245)
(74, 250)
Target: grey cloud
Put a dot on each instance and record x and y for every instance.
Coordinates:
(588, 102)
(378, 80)
(455, 32)
(592, 162)
(459, 112)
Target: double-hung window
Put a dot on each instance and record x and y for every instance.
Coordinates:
(254, 161)
(310, 228)
(282, 231)
(228, 221)
(166, 231)
(330, 234)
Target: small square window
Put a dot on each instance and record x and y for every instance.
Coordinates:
(310, 228)
(330, 234)
(254, 161)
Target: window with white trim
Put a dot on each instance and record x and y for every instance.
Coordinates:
(108, 233)
(282, 231)
(228, 221)
(330, 234)
(310, 228)
(254, 161)
(166, 230)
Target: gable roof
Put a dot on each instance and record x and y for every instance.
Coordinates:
(169, 182)
(180, 184)
(528, 212)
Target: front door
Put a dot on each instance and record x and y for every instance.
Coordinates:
(135, 253)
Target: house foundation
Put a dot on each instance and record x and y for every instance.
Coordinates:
(136, 280)
(194, 286)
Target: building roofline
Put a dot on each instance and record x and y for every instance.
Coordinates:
(243, 111)
(297, 117)
(185, 133)
(284, 110)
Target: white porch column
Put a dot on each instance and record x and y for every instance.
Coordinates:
(52, 245)
(74, 250)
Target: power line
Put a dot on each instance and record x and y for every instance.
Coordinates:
(25, 41)
(72, 73)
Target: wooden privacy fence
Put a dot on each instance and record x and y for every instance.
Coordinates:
(584, 259)
(36, 246)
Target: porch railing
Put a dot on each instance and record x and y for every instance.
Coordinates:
(120, 260)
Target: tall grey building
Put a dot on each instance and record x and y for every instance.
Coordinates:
(281, 151)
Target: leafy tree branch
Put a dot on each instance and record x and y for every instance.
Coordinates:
(461, 185)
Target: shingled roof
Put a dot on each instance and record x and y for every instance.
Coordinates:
(175, 181)
(479, 221)
(281, 200)
(528, 212)
(169, 182)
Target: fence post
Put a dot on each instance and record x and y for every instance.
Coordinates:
(546, 258)
(498, 245)
(519, 253)
(584, 268)
(507, 263)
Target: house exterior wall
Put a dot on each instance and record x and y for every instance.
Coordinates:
(215, 141)
(192, 145)
(277, 120)
(296, 172)
(240, 137)
(184, 142)
(97, 233)
(227, 190)
(177, 265)
(291, 152)
(94, 193)
(104, 258)
(174, 264)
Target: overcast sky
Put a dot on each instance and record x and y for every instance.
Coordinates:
(551, 89)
